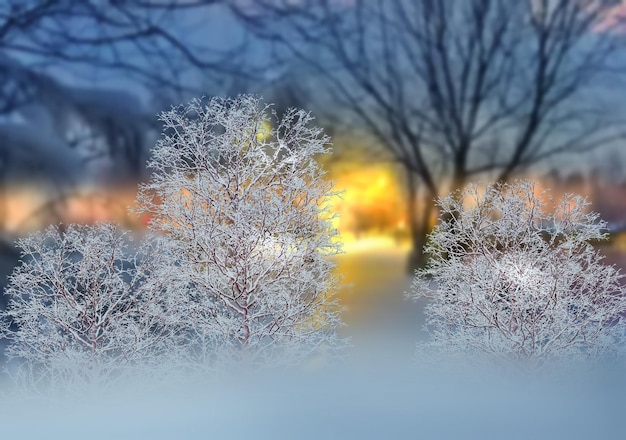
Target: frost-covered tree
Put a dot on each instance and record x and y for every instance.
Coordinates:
(515, 277)
(243, 204)
(84, 308)
(457, 89)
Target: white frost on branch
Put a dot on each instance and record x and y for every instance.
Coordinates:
(512, 279)
(85, 309)
(241, 208)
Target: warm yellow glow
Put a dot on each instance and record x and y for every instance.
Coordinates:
(378, 242)
(370, 214)
(264, 132)
(27, 208)
(372, 202)
(20, 206)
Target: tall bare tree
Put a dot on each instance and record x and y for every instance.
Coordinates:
(73, 75)
(77, 77)
(50, 48)
(153, 40)
(457, 88)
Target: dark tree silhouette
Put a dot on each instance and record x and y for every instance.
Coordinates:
(457, 88)
(50, 50)
(77, 81)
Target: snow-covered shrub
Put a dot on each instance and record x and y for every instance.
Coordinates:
(84, 309)
(514, 276)
(239, 198)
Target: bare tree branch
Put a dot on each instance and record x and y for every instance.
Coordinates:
(441, 79)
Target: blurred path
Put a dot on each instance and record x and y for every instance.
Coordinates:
(382, 323)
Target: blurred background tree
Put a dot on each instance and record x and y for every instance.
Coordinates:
(457, 89)
(81, 84)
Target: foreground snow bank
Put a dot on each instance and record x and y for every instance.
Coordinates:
(352, 401)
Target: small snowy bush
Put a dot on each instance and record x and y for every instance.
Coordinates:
(239, 270)
(84, 308)
(511, 279)
(239, 198)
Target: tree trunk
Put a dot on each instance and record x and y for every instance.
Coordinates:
(419, 225)
(4, 208)
(459, 179)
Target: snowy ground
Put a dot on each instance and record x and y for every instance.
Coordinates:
(376, 393)
(379, 318)
(354, 401)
